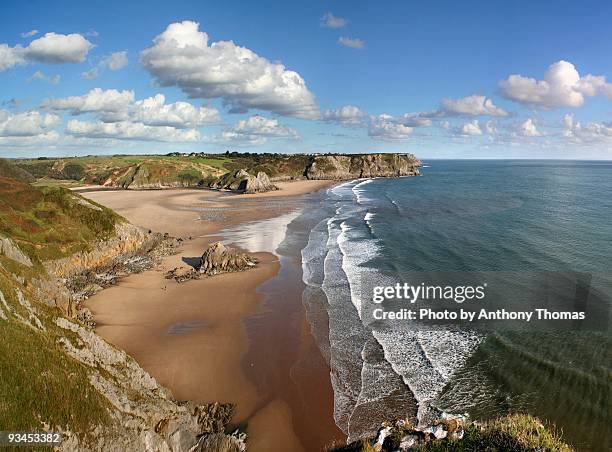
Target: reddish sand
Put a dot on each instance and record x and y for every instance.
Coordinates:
(213, 339)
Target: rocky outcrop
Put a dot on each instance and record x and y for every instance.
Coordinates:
(12, 251)
(146, 416)
(341, 167)
(243, 182)
(218, 258)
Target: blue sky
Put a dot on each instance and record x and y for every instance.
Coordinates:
(440, 79)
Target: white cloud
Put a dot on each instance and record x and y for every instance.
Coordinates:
(330, 21)
(568, 121)
(129, 131)
(58, 48)
(562, 87)
(529, 129)
(27, 124)
(115, 61)
(471, 128)
(587, 134)
(29, 34)
(117, 106)
(90, 74)
(352, 43)
(413, 120)
(474, 105)
(10, 56)
(95, 101)
(154, 111)
(40, 75)
(51, 48)
(347, 115)
(256, 129)
(385, 127)
(181, 56)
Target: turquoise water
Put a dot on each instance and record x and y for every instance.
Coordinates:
(466, 216)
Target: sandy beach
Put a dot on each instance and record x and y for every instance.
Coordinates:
(224, 338)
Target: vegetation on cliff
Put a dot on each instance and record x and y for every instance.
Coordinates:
(218, 170)
(513, 433)
(55, 373)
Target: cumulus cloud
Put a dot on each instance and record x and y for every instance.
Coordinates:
(348, 115)
(115, 61)
(471, 128)
(27, 124)
(586, 134)
(10, 56)
(256, 129)
(154, 111)
(474, 105)
(562, 86)
(330, 21)
(90, 74)
(529, 129)
(352, 43)
(40, 75)
(29, 34)
(129, 131)
(95, 101)
(51, 48)
(58, 48)
(385, 127)
(182, 56)
(117, 106)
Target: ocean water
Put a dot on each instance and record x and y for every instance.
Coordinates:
(462, 216)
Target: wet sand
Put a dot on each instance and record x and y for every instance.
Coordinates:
(240, 337)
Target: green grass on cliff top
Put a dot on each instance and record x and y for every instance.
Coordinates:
(50, 222)
(513, 433)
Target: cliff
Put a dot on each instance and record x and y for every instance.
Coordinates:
(56, 373)
(341, 167)
(247, 173)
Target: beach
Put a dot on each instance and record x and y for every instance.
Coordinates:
(237, 337)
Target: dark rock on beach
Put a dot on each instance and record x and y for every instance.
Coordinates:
(217, 258)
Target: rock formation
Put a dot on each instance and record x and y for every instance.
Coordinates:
(341, 167)
(12, 251)
(241, 181)
(218, 258)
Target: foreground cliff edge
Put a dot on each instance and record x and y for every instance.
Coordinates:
(56, 373)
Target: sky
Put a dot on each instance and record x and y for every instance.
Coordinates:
(490, 79)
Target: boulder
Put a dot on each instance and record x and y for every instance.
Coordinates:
(218, 258)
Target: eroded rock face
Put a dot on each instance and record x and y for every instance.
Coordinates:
(241, 181)
(218, 258)
(12, 251)
(340, 167)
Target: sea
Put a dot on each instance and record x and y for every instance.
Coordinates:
(463, 217)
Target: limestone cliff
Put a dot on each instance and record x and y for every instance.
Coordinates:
(341, 167)
(243, 182)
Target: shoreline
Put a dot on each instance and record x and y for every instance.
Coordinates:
(204, 350)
